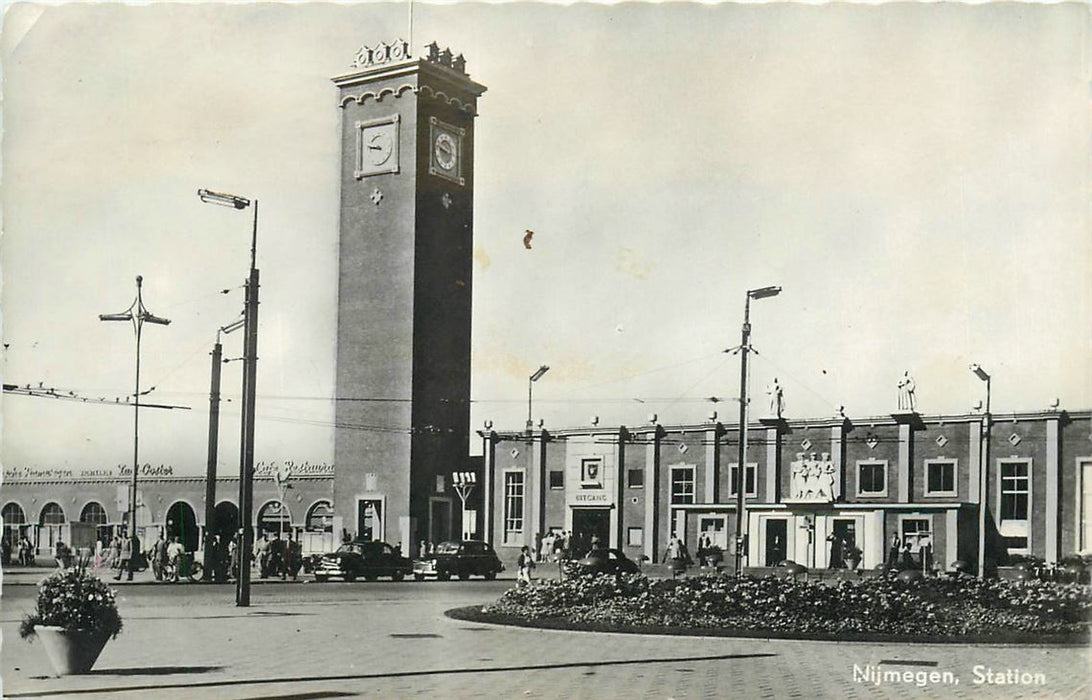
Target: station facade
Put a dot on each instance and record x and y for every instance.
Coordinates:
(861, 481)
(82, 505)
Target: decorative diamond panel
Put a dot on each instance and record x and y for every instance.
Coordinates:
(805, 444)
(514, 453)
(683, 448)
(1014, 439)
(872, 442)
(941, 441)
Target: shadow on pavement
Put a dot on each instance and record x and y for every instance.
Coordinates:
(153, 670)
(393, 674)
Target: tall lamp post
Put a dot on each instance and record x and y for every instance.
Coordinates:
(741, 469)
(530, 383)
(137, 315)
(464, 484)
(250, 372)
(214, 440)
(983, 482)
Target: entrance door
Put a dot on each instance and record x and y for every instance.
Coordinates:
(777, 535)
(591, 526)
(843, 536)
(439, 526)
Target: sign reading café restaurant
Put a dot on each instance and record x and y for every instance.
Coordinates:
(261, 470)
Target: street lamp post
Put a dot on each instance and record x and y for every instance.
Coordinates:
(464, 484)
(282, 476)
(137, 315)
(250, 372)
(530, 383)
(984, 463)
(741, 469)
(214, 439)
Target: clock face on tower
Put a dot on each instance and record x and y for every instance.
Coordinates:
(445, 154)
(377, 146)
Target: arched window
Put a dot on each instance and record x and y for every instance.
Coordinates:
(93, 512)
(13, 514)
(320, 518)
(52, 514)
(272, 517)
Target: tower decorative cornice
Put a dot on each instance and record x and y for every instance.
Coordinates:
(367, 57)
(393, 52)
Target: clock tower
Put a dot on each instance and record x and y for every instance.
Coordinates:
(404, 290)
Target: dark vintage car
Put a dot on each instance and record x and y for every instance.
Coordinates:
(367, 560)
(608, 561)
(463, 559)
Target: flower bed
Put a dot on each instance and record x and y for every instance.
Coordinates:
(934, 609)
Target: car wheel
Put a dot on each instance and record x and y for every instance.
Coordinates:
(418, 577)
(350, 577)
(320, 578)
(444, 575)
(490, 575)
(464, 575)
(398, 576)
(370, 577)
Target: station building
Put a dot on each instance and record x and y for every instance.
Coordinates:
(864, 481)
(81, 505)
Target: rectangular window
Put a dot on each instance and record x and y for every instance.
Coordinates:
(750, 474)
(940, 477)
(871, 478)
(513, 507)
(557, 479)
(1015, 487)
(682, 484)
(635, 537)
(635, 478)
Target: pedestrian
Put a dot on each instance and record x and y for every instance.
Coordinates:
(125, 557)
(6, 551)
(422, 549)
(526, 563)
(261, 555)
(25, 555)
(159, 557)
(276, 563)
(893, 553)
(233, 554)
(175, 552)
(538, 546)
(673, 556)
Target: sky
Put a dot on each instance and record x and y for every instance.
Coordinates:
(915, 178)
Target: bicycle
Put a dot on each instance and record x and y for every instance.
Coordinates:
(184, 566)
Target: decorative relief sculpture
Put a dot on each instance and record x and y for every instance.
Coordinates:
(907, 401)
(812, 479)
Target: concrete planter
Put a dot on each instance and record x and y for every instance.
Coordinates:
(71, 651)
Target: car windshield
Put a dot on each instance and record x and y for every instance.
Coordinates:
(448, 548)
(353, 548)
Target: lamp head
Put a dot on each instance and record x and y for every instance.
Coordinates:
(539, 372)
(979, 372)
(223, 199)
(763, 292)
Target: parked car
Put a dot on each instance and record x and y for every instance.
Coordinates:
(367, 560)
(608, 561)
(463, 559)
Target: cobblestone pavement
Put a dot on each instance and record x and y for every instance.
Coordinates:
(392, 641)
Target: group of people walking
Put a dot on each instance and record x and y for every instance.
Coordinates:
(24, 551)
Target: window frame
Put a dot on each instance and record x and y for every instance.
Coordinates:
(629, 478)
(940, 462)
(1026, 463)
(512, 537)
(886, 481)
(550, 478)
(693, 481)
(751, 469)
(637, 530)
